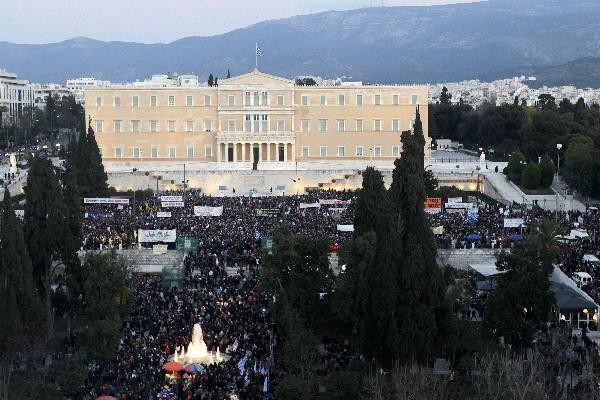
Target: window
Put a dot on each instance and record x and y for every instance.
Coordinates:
(190, 152)
(265, 99)
(322, 125)
(396, 100)
(396, 125)
(98, 101)
(265, 123)
(154, 152)
(207, 125)
(135, 101)
(323, 151)
(304, 100)
(323, 100)
(189, 101)
(231, 126)
(99, 126)
(396, 151)
(153, 101)
(135, 126)
(341, 125)
(117, 101)
(280, 126)
(248, 124)
(172, 152)
(153, 126)
(359, 151)
(360, 125)
(256, 118)
(304, 125)
(136, 152)
(231, 100)
(171, 101)
(414, 99)
(305, 151)
(377, 151)
(279, 100)
(377, 100)
(256, 99)
(341, 100)
(118, 152)
(341, 151)
(189, 125)
(171, 125)
(359, 99)
(247, 99)
(207, 100)
(377, 125)
(118, 126)
(208, 151)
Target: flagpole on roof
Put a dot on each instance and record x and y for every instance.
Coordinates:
(256, 56)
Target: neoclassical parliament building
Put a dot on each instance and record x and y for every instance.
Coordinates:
(253, 118)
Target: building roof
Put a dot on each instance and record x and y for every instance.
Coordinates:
(566, 293)
(487, 269)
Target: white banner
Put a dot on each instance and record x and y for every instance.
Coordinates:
(163, 214)
(20, 213)
(339, 210)
(454, 199)
(205, 211)
(433, 210)
(160, 249)
(459, 205)
(171, 198)
(332, 202)
(169, 204)
(345, 228)
(157, 235)
(309, 205)
(513, 222)
(104, 200)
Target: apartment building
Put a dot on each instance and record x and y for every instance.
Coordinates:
(16, 95)
(254, 117)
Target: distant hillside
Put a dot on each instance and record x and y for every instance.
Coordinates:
(384, 44)
(582, 73)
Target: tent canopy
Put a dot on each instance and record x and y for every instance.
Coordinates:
(568, 296)
(487, 269)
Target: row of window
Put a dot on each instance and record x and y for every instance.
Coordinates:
(255, 123)
(360, 151)
(261, 99)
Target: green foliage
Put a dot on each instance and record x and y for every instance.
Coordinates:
(85, 163)
(515, 167)
(70, 374)
(370, 206)
(343, 385)
(546, 102)
(306, 82)
(530, 177)
(445, 97)
(582, 169)
(522, 300)
(546, 171)
(431, 183)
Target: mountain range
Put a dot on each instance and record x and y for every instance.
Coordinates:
(380, 44)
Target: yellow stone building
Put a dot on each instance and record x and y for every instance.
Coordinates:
(252, 118)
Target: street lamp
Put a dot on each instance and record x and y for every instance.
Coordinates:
(558, 147)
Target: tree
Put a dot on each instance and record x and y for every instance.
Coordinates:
(210, 80)
(43, 222)
(530, 177)
(21, 313)
(97, 178)
(431, 182)
(308, 81)
(228, 74)
(546, 171)
(523, 300)
(515, 167)
(582, 166)
(445, 97)
(370, 203)
(546, 102)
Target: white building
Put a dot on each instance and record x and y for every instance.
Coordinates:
(42, 91)
(16, 95)
(78, 86)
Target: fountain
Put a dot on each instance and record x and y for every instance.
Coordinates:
(197, 351)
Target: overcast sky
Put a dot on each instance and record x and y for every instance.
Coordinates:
(150, 21)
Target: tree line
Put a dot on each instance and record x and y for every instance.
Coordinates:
(534, 131)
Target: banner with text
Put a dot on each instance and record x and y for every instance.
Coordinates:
(205, 211)
(267, 212)
(433, 205)
(458, 205)
(163, 214)
(309, 205)
(513, 222)
(333, 202)
(104, 200)
(170, 204)
(171, 198)
(157, 235)
(345, 228)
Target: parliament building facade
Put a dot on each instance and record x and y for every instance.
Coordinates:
(253, 118)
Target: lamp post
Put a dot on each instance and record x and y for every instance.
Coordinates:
(558, 147)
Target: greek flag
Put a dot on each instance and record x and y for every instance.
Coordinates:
(259, 51)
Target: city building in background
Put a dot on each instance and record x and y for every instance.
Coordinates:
(16, 96)
(77, 86)
(251, 118)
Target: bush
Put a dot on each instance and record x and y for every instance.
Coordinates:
(515, 167)
(546, 171)
(530, 177)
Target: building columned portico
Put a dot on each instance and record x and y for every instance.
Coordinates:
(235, 147)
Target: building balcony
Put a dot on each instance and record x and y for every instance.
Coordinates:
(256, 137)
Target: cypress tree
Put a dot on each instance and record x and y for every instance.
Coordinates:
(369, 202)
(422, 313)
(546, 171)
(97, 178)
(228, 74)
(210, 80)
(43, 221)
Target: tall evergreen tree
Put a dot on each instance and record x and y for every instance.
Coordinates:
(97, 177)
(43, 222)
(21, 313)
(421, 308)
(369, 202)
(228, 74)
(211, 80)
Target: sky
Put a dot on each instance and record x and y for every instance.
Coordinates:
(154, 21)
